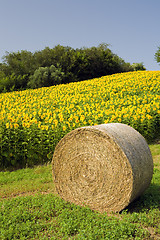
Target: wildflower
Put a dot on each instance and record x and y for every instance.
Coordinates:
(7, 125)
(149, 116)
(15, 125)
(64, 128)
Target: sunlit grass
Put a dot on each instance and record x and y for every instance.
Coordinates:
(26, 181)
(29, 209)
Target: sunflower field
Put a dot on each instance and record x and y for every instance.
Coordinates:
(33, 121)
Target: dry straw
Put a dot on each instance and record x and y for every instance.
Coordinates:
(105, 167)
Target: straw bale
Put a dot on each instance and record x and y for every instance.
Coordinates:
(104, 167)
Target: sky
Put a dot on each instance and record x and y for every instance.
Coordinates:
(130, 27)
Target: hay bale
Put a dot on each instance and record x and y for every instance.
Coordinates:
(105, 167)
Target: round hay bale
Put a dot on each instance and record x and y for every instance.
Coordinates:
(104, 167)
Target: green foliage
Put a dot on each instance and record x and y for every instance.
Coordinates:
(45, 77)
(19, 63)
(48, 217)
(12, 82)
(157, 55)
(26, 147)
(138, 67)
(2, 74)
(100, 61)
(7, 83)
(51, 66)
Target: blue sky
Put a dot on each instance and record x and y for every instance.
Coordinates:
(132, 28)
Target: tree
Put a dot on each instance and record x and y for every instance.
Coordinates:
(138, 66)
(2, 75)
(60, 64)
(18, 63)
(12, 83)
(157, 55)
(45, 77)
(100, 61)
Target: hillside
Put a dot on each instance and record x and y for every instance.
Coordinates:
(33, 121)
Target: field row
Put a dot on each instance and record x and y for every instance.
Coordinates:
(33, 120)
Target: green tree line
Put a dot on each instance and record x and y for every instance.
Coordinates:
(157, 55)
(52, 66)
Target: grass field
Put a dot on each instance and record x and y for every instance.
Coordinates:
(30, 209)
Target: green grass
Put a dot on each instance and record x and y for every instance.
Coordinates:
(26, 181)
(30, 209)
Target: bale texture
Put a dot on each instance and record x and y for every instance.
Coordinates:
(104, 167)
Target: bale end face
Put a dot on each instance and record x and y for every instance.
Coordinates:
(99, 166)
